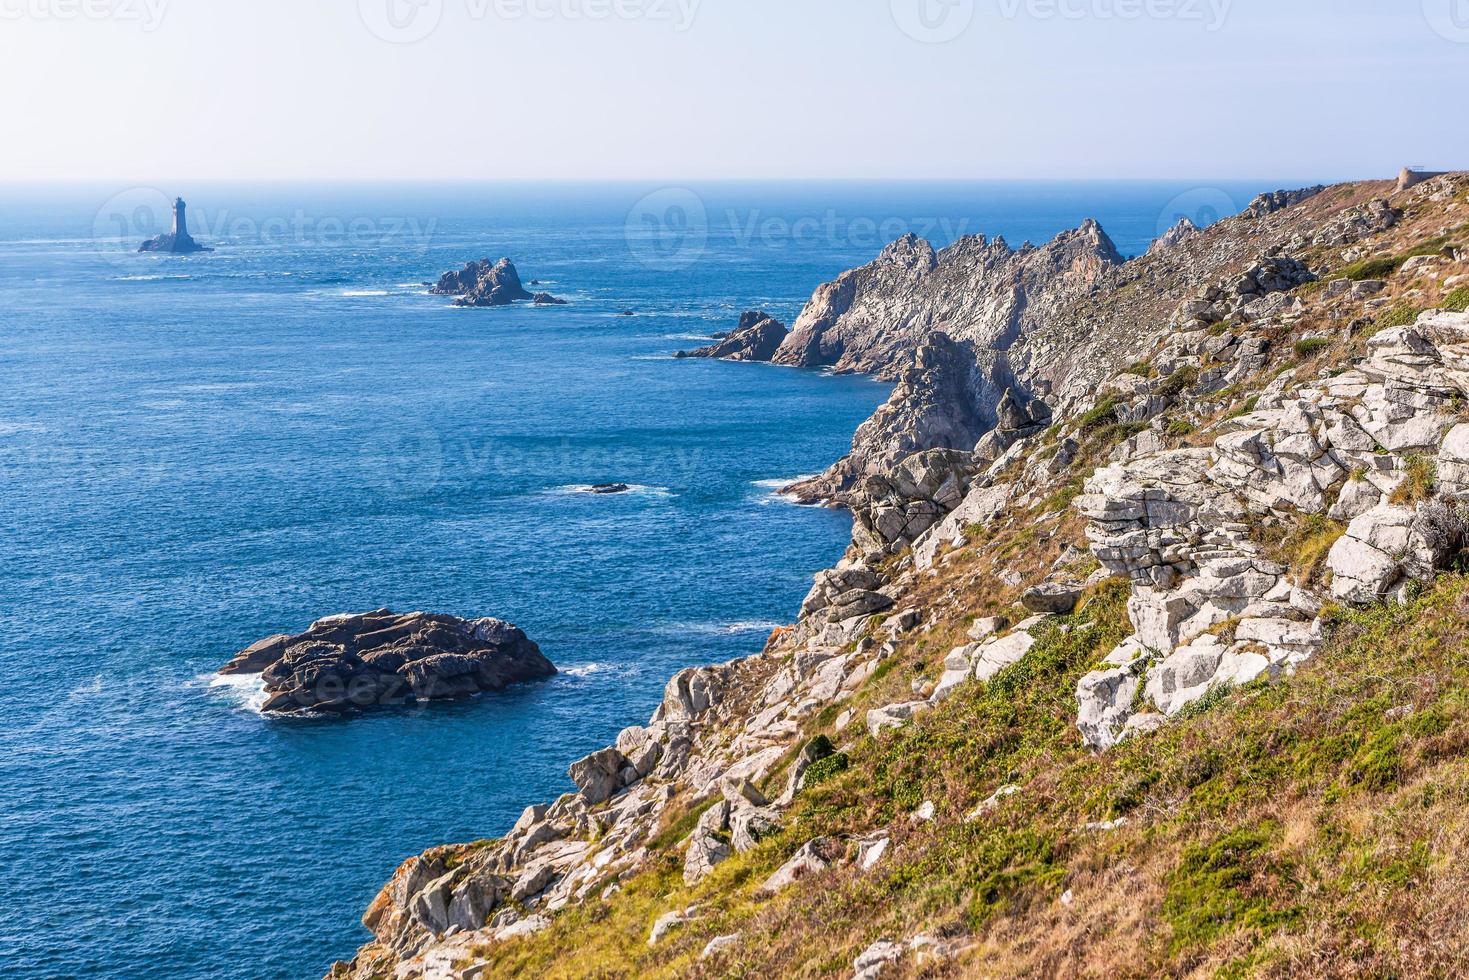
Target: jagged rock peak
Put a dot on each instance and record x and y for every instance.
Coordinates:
(1178, 234)
(911, 252)
(1092, 232)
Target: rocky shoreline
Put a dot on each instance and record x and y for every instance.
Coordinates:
(1219, 441)
(362, 662)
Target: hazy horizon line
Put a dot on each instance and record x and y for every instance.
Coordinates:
(665, 180)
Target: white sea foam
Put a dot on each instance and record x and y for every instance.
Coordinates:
(772, 489)
(728, 629)
(633, 489)
(364, 292)
(13, 428)
(245, 690)
(586, 670)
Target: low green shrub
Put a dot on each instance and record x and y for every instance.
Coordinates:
(1178, 382)
(826, 767)
(1310, 347)
(1398, 316)
(1375, 268)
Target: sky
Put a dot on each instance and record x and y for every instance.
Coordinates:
(708, 89)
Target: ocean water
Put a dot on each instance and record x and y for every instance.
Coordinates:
(199, 451)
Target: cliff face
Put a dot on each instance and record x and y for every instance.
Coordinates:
(1049, 324)
(1143, 659)
(980, 292)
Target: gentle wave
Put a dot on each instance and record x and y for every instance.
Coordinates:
(364, 292)
(633, 489)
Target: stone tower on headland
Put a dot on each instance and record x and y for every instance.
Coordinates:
(178, 241)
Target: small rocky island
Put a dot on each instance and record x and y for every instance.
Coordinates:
(486, 283)
(358, 662)
(757, 338)
(178, 241)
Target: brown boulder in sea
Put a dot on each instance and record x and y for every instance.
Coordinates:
(381, 659)
(486, 283)
(757, 338)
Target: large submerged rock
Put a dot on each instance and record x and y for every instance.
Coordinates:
(383, 659)
(486, 283)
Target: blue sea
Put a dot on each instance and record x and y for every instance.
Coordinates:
(196, 452)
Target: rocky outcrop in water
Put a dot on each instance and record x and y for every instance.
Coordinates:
(486, 283)
(381, 659)
(757, 338)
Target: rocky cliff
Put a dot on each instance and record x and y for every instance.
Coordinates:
(1143, 659)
